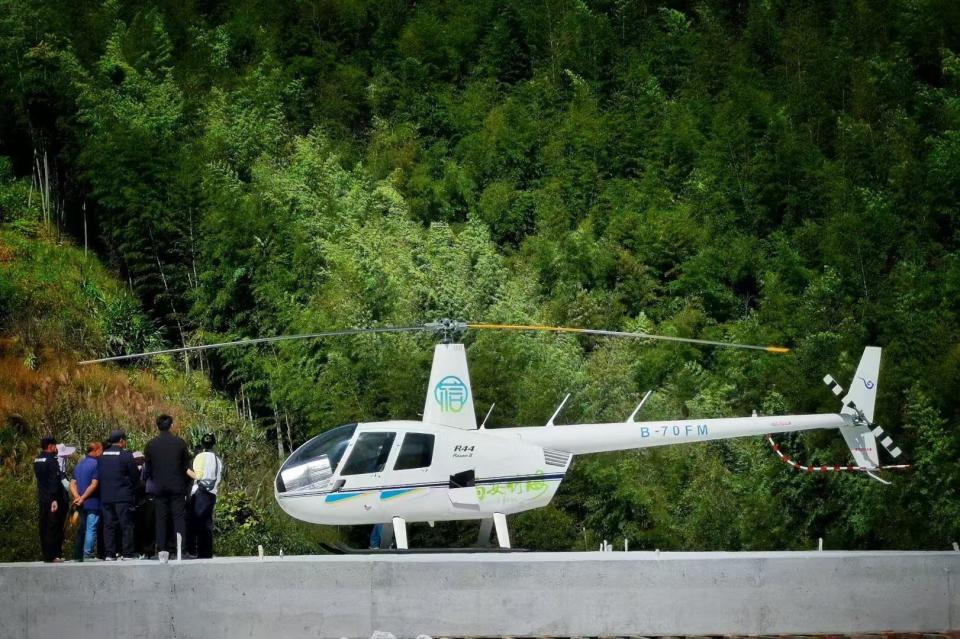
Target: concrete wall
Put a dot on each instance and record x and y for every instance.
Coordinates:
(557, 594)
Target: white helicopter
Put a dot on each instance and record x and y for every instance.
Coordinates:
(446, 467)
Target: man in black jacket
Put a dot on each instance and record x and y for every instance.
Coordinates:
(119, 482)
(167, 473)
(51, 500)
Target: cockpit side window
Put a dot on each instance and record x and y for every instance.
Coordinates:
(415, 452)
(370, 454)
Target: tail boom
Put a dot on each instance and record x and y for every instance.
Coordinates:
(581, 439)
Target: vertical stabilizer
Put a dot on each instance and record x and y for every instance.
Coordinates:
(863, 387)
(449, 396)
(860, 400)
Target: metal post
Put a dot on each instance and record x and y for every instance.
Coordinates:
(503, 535)
(400, 532)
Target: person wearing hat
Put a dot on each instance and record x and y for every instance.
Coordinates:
(208, 470)
(119, 481)
(84, 487)
(167, 473)
(64, 451)
(51, 500)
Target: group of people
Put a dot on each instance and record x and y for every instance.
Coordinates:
(114, 492)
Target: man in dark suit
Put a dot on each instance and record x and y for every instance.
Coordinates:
(167, 472)
(119, 481)
(51, 500)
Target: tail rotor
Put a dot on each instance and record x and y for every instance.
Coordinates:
(859, 431)
(860, 416)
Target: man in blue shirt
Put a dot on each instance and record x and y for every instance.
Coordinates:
(84, 487)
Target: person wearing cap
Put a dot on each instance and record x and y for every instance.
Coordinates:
(208, 470)
(119, 481)
(51, 500)
(84, 487)
(168, 472)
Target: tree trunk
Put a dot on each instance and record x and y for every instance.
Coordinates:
(84, 229)
(176, 315)
(286, 417)
(276, 421)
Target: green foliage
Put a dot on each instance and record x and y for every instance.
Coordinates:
(242, 525)
(765, 172)
(60, 302)
(54, 295)
(18, 510)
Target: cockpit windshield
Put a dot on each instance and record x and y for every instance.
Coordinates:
(312, 465)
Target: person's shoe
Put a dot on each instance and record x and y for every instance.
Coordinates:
(188, 555)
(91, 558)
(109, 558)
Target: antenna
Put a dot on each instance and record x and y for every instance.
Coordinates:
(639, 406)
(559, 408)
(484, 422)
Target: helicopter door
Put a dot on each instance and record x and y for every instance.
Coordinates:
(411, 469)
(367, 460)
(416, 454)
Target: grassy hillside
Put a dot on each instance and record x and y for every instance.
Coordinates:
(57, 304)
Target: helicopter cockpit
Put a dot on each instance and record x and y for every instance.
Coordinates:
(312, 465)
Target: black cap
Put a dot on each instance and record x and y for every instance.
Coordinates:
(48, 440)
(116, 436)
(208, 441)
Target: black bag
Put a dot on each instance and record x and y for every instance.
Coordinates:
(208, 485)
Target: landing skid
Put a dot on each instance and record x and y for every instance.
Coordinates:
(340, 549)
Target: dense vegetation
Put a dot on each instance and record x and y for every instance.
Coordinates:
(58, 300)
(764, 171)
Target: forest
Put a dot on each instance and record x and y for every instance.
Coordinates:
(764, 171)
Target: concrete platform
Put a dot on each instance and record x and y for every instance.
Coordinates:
(528, 594)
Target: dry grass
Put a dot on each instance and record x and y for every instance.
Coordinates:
(79, 403)
(6, 253)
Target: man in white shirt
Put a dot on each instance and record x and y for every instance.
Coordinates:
(208, 470)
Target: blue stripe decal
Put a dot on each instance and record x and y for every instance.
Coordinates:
(387, 494)
(340, 496)
(479, 482)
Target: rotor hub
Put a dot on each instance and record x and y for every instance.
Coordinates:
(448, 329)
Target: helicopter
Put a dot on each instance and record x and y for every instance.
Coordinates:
(447, 467)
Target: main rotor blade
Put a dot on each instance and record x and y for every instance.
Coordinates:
(595, 331)
(261, 340)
